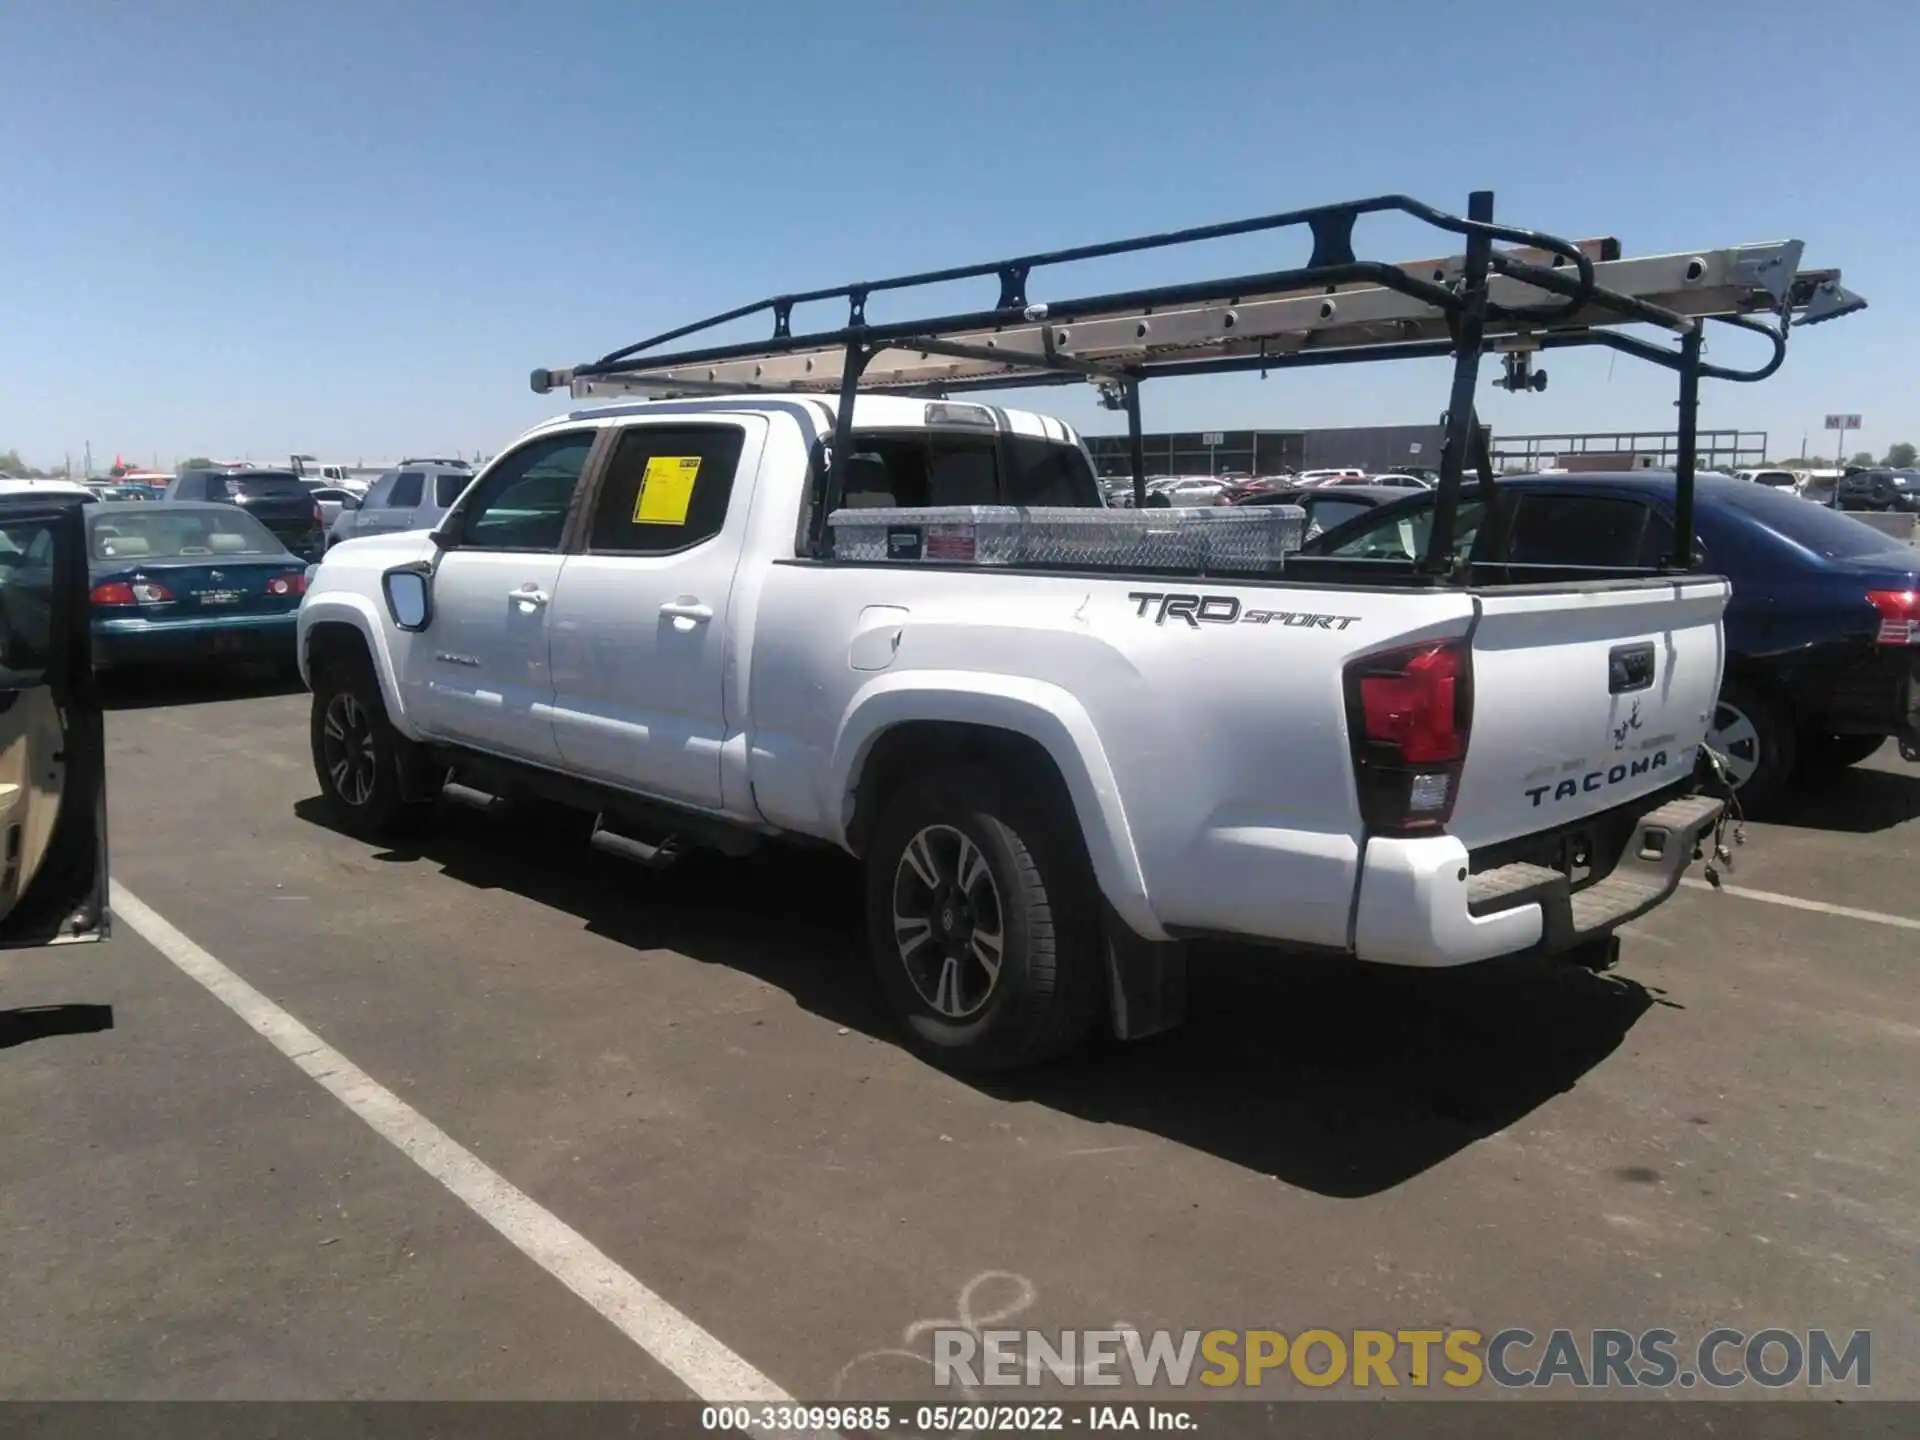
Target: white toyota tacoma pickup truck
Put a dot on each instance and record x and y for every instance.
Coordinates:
(1055, 772)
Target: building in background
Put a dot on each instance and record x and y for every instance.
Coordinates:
(1373, 448)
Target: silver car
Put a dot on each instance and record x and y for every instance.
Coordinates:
(415, 498)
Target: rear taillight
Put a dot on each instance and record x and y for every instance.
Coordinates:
(1899, 615)
(288, 584)
(319, 516)
(1408, 714)
(136, 592)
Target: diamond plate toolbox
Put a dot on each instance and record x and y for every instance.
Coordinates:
(1176, 538)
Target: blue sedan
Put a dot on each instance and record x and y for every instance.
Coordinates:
(1823, 630)
(186, 583)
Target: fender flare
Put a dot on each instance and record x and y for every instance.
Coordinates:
(1041, 712)
(343, 607)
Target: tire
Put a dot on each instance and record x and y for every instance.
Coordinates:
(1829, 754)
(966, 853)
(1755, 735)
(356, 753)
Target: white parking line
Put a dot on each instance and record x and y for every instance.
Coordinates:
(1794, 902)
(695, 1357)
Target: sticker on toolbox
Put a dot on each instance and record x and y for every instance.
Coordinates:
(666, 490)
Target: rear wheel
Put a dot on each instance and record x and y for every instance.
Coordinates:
(1829, 754)
(356, 753)
(1755, 739)
(982, 920)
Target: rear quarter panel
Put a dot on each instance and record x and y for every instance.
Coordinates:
(1208, 761)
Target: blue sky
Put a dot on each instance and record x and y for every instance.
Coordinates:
(353, 228)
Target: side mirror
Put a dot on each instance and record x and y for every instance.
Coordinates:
(409, 592)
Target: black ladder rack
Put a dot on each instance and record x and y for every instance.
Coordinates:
(1538, 292)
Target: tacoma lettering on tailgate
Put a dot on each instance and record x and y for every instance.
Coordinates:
(1572, 785)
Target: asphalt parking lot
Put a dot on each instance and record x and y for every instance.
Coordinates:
(688, 1071)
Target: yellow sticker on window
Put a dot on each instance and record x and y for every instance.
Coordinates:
(666, 490)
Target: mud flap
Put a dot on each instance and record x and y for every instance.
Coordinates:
(1146, 980)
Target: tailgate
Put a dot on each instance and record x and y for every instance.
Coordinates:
(1585, 697)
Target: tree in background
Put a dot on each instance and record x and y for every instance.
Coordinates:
(198, 462)
(1901, 456)
(1863, 460)
(12, 464)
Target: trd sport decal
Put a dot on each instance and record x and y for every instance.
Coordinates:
(1198, 610)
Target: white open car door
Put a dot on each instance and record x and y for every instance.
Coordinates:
(53, 815)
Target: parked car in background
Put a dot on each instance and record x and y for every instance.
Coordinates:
(185, 582)
(1820, 489)
(1880, 489)
(415, 498)
(1251, 485)
(276, 498)
(1777, 479)
(332, 500)
(1396, 479)
(1322, 477)
(1822, 632)
(50, 488)
(321, 472)
(1193, 490)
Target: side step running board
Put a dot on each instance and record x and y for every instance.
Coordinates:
(654, 857)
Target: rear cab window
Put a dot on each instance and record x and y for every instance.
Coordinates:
(408, 487)
(939, 466)
(447, 488)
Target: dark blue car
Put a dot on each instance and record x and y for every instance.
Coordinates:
(179, 582)
(1823, 630)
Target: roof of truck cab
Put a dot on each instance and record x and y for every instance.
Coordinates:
(870, 412)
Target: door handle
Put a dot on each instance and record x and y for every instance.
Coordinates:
(685, 609)
(529, 594)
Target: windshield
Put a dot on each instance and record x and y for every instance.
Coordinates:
(1829, 533)
(172, 533)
